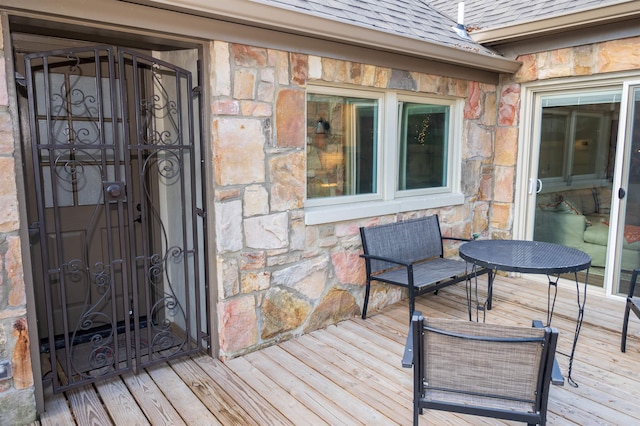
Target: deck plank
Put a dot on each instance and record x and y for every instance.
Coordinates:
(304, 370)
(316, 401)
(57, 409)
(212, 395)
(87, 408)
(120, 404)
(151, 399)
(278, 396)
(357, 384)
(180, 396)
(252, 402)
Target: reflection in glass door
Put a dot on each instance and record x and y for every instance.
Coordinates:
(628, 224)
(576, 153)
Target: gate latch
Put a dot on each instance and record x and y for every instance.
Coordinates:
(114, 191)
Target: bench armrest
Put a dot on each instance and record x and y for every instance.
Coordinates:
(457, 239)
(385, 259)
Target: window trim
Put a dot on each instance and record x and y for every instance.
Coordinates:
(388, 199)
(453, 155)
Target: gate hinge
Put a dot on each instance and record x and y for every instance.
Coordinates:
(201, 212)
(196, 91)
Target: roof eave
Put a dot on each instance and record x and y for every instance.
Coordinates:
(265, 16)
(557, 24)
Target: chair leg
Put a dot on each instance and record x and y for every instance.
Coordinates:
(366, 299)
(412, 306)
(625, 324)
(490, 290)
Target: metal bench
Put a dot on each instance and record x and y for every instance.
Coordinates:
(410, 254)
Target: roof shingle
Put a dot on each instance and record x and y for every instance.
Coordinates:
(415, 19)
(485, 14)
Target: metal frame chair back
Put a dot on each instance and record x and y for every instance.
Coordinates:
(633, 304)
(481, 369)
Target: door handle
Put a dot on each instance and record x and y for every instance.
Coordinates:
(34, 230)
(114, 191)
(535, 185)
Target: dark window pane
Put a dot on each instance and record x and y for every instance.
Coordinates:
(424, 134)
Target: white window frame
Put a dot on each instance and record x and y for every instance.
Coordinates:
(387, 199)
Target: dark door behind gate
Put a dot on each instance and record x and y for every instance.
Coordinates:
(118, 238)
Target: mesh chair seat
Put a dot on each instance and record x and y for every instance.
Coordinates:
(426, 273)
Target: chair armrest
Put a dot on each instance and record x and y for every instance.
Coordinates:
(556, 374)
(385, 259)
(407, 358)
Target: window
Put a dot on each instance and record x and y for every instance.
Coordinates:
(575, 137)
(424, 134)
(372, 153)
(341, 155)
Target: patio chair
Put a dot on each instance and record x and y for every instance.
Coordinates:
(633, 304)
(481, 369)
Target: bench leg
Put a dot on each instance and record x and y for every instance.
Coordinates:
(492, 275)
(366, 299)
(625, 325)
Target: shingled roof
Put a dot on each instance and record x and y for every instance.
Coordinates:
(483, 14)
(415, 19)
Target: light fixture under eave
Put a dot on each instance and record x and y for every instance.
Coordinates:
(322, 127)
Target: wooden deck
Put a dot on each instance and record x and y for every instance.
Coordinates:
(351, 373)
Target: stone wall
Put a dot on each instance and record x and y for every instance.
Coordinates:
(276, 276)
(17, 400)
(580, 61)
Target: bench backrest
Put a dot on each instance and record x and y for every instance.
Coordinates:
(406, 241)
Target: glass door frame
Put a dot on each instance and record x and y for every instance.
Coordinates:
(621, 182)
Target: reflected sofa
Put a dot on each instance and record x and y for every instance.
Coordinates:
(580, 219)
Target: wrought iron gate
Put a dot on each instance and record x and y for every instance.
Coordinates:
(119, 232)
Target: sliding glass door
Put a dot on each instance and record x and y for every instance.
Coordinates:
(575, 146)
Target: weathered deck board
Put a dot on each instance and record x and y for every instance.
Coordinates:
(57, 409)
(87, 408)
(180, 396)
(211, 394)
(254, 403)
(152, 401)
(120, 404)
(351, 373)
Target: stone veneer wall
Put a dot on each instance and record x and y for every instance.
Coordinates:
(276, 276)
(581, 61)
(17, 399)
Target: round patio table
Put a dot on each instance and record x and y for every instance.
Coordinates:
(531, 257)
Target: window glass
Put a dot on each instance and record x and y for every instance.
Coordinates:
(342, 145)
(575, 136)
(423, 146)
